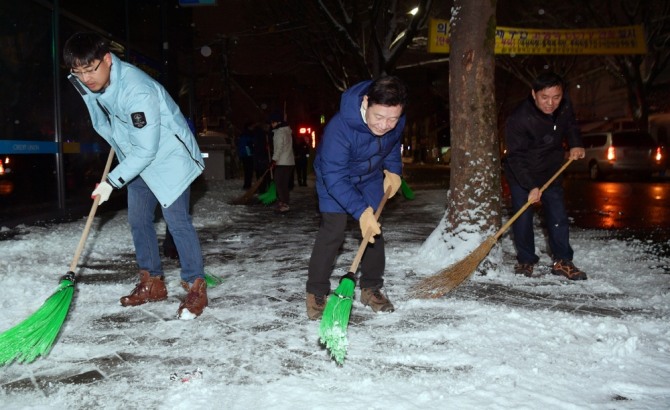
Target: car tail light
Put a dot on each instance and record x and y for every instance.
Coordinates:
(611, 154)
(659, 154)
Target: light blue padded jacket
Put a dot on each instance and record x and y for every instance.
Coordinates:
(144, 125)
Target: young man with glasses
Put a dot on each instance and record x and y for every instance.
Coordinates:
(158, 160)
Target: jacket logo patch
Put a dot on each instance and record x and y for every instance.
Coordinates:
(139, 120)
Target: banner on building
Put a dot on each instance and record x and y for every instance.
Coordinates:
(592, 41)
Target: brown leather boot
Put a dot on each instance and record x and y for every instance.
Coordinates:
(196, 300)
(376, 300)
(150, 289)
(315, 305)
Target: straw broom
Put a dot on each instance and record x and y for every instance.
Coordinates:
(244, 198)
(335, 318)
(34, 336)
(449, 278)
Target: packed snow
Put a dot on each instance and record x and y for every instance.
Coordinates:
(499, 341)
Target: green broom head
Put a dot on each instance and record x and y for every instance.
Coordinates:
(335, 319)
(406, 190)
(34, 336)
(270, 195)
(213, 280)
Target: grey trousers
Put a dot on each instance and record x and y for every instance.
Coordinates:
(326, 248)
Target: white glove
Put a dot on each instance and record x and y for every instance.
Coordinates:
(367, 221)
(104, 190)
(392, 180)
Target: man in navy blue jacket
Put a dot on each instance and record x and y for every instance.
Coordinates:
(357, 159)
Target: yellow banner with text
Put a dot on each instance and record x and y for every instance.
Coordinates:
(592, 41)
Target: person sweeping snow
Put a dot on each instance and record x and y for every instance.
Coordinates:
(158, 158)
(356, 161)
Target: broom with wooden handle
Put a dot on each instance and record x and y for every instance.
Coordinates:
(335, 318)
(244, 198)
(34, 336)
(449, 278)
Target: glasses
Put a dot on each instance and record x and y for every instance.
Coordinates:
(80, 74)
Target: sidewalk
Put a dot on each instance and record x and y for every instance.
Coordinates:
(254, 337)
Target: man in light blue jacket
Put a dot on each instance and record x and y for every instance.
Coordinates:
(158, 160)
(357, 159)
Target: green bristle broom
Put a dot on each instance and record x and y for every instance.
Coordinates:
(335, 318)
(270, 195)
(212, 280)
(406, 190)
(35, 336)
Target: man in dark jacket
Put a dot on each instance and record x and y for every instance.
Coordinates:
(357, 159)
(301, 154)
(245, 147)
(534, 134)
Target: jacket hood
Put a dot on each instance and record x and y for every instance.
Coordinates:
(350, 106)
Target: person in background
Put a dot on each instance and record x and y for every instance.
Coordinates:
(534, 135)
(282, 160)
(245, 149)
(301, 153)
(357, 160)
(158, 159)
(261, 155)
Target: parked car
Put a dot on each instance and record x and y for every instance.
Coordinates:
(618, 152)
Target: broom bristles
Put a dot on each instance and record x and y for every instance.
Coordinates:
(35, 336)
(270, 195)
(335, 319)
(406, 190)
(440, 283)
(213, 280)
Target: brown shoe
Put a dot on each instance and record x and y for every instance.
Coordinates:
(525, 269)
(567, 269)
(376, 300)
(196, 300)
(150, 289)
(315, 305)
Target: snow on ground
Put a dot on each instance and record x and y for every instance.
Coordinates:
(496, 342)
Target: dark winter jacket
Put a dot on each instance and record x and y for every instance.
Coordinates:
(535, 142)
(245, 145)
(350, 160)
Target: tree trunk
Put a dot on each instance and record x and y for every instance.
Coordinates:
(474, 205)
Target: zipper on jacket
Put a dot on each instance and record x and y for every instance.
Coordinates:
(190, 154)
(104, 110)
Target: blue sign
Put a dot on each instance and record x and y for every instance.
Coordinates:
(197, 3)
(28, 147)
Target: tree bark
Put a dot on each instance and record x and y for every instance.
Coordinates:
(475, 193)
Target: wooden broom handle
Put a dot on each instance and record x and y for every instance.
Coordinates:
(91, 214)
(368, 233)
(527, 204)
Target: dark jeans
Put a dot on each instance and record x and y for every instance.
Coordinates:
(248, 167)
(283, 175)
(556, 220)
(301, 170)
(326, 247)
(141, 211)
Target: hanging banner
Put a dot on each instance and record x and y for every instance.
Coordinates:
(593, 41)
